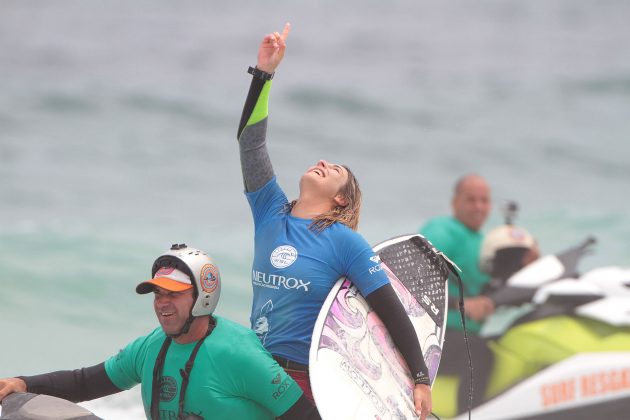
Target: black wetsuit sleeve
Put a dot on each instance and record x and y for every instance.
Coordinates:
(74, 385)
(303, 409)
(252, 132)
(388, 307)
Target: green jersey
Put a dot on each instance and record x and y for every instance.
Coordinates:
(233, 376)
(462, 246)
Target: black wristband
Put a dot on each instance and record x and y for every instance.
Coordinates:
(262, 75)
(422, 379)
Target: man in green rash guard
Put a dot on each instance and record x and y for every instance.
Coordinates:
(459, 237)
(196, 365)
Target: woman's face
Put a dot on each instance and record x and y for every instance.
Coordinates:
(325, 180)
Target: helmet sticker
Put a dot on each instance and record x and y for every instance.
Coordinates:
(164, 271)
(517, 234)
(209, 278)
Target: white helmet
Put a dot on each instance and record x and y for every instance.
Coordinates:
(187, 265)
(501, 239)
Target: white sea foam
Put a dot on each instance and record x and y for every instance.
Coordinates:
(125, 405)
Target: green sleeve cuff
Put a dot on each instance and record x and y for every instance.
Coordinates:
(261, 110)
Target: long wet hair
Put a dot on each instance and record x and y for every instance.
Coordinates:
(348, 214)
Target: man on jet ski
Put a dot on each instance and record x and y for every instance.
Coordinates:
(459, 236)
(195, 365)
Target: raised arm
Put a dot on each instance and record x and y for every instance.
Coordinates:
(252, 130)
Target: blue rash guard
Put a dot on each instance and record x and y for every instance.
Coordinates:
(295, 268)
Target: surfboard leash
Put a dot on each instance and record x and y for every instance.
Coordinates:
(463, 316)
(454, 269)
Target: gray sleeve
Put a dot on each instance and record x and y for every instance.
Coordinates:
(255, 161)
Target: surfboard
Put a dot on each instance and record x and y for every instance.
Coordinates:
(356, 371)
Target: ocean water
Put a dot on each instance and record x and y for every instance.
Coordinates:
(118, 137)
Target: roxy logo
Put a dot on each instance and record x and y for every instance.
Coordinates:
(283, 256)
(281, 389)
(375, 259)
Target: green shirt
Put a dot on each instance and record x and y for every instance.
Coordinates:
(462, 246)
(233, 376)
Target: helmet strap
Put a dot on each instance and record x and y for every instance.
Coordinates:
(191, 318)
(185, 328)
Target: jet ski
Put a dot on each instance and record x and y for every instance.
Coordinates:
(561, 343)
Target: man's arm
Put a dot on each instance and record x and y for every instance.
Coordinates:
(73, 385)
(11, 385)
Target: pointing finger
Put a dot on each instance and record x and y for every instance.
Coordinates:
(285, 31)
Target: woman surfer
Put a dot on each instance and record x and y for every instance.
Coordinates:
(302, 247)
